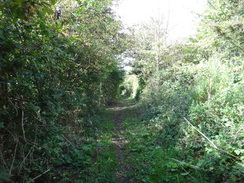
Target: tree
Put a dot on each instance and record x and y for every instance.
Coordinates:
(58, 65)
(222, 27)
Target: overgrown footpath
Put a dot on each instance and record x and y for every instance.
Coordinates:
(107, 146)
(120, 139)
(132, 148)
(137, 148)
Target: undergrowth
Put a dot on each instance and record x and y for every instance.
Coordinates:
(103, 166)
(153, 156)
(194, 123)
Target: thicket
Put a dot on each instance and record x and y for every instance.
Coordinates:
(193, 100)
(130, 86)
(58, 67)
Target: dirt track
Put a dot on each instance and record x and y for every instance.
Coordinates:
(119, 139)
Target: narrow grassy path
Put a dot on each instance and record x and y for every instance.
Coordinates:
(133, 149)
(120, 113)
(111, 162)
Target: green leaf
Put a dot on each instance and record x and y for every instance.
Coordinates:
(53, 2)
(158, 169)
(71, 21)
(82, 27)
(239, 151)
(233, 178)
(184, 174)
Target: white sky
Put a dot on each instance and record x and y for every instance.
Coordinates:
(181, 14)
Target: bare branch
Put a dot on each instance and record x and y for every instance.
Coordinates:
(213, 145)
(41, 174)
(189, 165)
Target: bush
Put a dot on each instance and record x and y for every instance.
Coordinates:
(211, 98)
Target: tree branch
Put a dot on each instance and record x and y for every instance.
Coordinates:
(189, 165)
(40, 174)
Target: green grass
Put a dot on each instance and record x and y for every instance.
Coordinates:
(151, 151)
(103, 167)
(152, 159)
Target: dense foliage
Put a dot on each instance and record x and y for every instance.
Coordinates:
(58, 67)
(193, 101)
